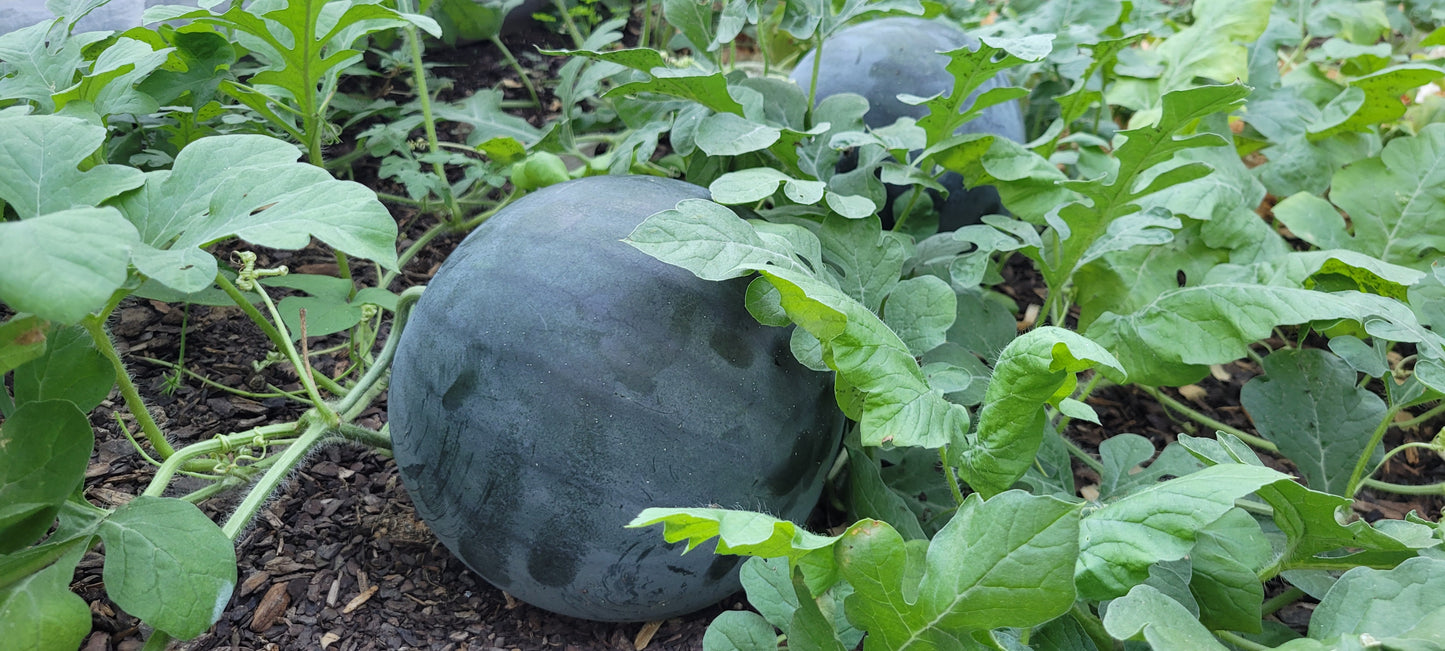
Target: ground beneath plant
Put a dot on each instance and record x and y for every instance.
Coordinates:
(339, 559)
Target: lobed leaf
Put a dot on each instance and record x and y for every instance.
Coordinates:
(999, 562)
(1174, 338)
(42, 154)
(1404, 601)
(1147, 614)
(896, 406)
(253, 188)
(1392, 200)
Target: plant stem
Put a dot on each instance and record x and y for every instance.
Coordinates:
(1281, 600)
(423, 96)
(1422, 418)
(1241, 642)
(813, 81)
(302, 368)
(1080, 454)
(1376, 437)
(217, 385)
(1405, 489)
(286, 461)
(96, 327)
(1202, 419)
(221, 443)
(1094, 628)
(952, 478)
(521, 72)
(358, 397)
(571, 25)
(250, 311)
(365, 436)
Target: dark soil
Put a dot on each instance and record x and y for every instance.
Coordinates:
(339, 559)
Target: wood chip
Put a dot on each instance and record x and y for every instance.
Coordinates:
(1031, 317)
(1220, 373)
(359, 600)
(644, 636)
(329, 639)
(1195, 393)
(254, 582)
(272, 605)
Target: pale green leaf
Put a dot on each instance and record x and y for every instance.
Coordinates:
(1036, 370)
(168, 564)
(252, 187)
(1147, 614)
(1001, 562)
(1397, 200)
(1157, 524)
(22, 338)
(41, 154)
(1310, 403)
(66, 264)
(1375, 99)
(1227, 555)
(739, 630)
(46, 446)
(1382, 603)
(482, 111)
(726, 134)
(738, 532)
(1174, 338)
(920, 310)
(40, 613)
(71, 369)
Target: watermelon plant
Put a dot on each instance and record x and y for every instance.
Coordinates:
(1201, 190)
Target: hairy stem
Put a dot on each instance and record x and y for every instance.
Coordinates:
(285, 462)
(96, 327)
(418, 72)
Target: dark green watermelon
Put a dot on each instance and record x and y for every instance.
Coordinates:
(553, 382)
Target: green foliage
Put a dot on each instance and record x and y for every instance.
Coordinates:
(1137, 207)
(1163, 132)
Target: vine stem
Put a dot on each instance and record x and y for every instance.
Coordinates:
(1094, 628)
(1405, 489)
(1202, 419)
(286, 461)
(953, 486)
(1240, 641)
(359, 396)
(521, 72)
(222, 443)
(1273, 604)
(96, 327)
(418, 72)
(1358, 475)
(1419, 420)
(303, 368)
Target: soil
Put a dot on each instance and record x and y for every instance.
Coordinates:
(339, 560)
